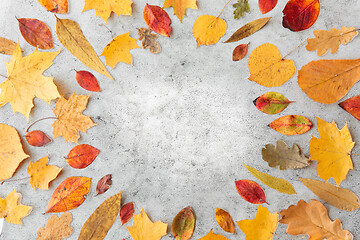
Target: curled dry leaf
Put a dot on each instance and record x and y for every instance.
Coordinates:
(352, 106)
(180, 6)
(208, 29)
(266, 6)
(87, 81)
(56, 228)
(291, 125)
(36, 33)
(157, 19)
(11, 208)
(225, 221)
(240, 52)
(69, 194)
(272, 103)
(183, 224)
(55, 6)
(82, 156)
(241, 7)
(41, 174)
(250, 191)
(105, 8)
(212, 236)
(149, 40)
(103, 184)
(300, 14)
(7, 46)
(126, 212)
(37, 138)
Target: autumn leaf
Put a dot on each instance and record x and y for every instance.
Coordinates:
(105, 8)
(184, 224)
(11, 208)
(332, 151)
(70, 119)
(87, 81)
(262, 227)
(250, 191)
(266, 6)
(332, 39)
(102, 219)
(56, 228)
(241, 7)
(69, 194)
(248, 29)
(352, 106)
(103, 184)
(36, 33)
(41, 174)
(82, 156)
(225, 221)
(271, 103)
(278, 184)
(157, 19)
(73, 39)
(144, 229)
(208, 29)
(300, 14)
(341, 198)
(268, 68)
(37, 138)
(25, 81)
(312, 219)
(11, 151)
(7, 46)
(212, 236)
(118, 50)
(55, 6)
(149, 40)
(291, 125)
(126, 212)
(180, 6)
(240, 52)
(283, 156)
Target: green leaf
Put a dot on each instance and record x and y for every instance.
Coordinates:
(271, 103)
(184, 224)
(241, 6)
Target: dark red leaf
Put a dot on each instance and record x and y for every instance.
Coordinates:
(240, 52)
(36, 33)
(157, 19)
(352, 106)
(126, 212)
(250, 191)
(87, 81)
(104, 184)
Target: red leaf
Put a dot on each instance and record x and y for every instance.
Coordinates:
(250, 191)
(37, 138)
(104, 184)
(300, 14)
(87, 81)
(82, 156)
(267, 5)
(36, 33)
(240, 52)
(352, 106)
(126, 212)
(157, 19)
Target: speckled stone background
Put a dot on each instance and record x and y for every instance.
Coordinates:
(175, 128)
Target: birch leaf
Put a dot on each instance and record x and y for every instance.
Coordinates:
(208, 29)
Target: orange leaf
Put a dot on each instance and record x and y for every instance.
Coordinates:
(267, 5)
(291, 125)
(157, 19)
(69, 194)
(36, 33)
(126, 212)
(225, 220)
(240, 52)
(87, 81)
(82, 156)
(250, 191)
(55, 6)
(37, 138)
(103, 184)
(352, 106)
(300, 14)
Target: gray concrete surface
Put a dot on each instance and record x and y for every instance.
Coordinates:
(175, 128)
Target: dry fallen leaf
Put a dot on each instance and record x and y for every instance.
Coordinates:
(82, 156)
(241, 7)
(55, 6)
(11, 208)
(352, 106)
(212, 236)
(7, 46)
(103, 184)
(250, 191)
(36, 33)
(180, 6)
(70, 118)
(105, 8)
(37, 138)
(87, 81)
(127, 212)
(208, 29)
(266, 6)
(56, 228)
(157, 19)
(183, 224)
(240, 52)
(291, 125)
(149, 40)
(272, 103)
(41, 174)
(225, 221)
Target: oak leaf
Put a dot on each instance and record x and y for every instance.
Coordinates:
(180, 6)
(149, 40)
(266, 6)
(11, 151)
(105, 8)
(70, 119)
(41, 174)
(184, 224)
(103, 184)
(82, 156)
(126, 212)
(55, 6)
(208, 29)
(240, 52)
(144, 229)
(241, 7)
(118, 50)
(291, 125)
(11, 208)
(7, 46)
(225, 221)
(262, 227)
(332, 151)
(271, 103)
(56, 228)
(25, 81)
(352, 106)
(36, 32)
(312, 219)
(268, 68)
(37, 138)
(250, 191)
(157, 19)
(212, 236)
(87, 81)
(300, 14)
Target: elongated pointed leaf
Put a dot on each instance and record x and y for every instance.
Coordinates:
(352, 106)
(126, 212)
(225, 221)
(250, 191)
(271, 103)
(291, 125)
(184, 224)
(36, 33)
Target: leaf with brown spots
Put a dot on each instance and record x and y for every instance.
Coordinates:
(184, 224)
(56, 228)
(55, 6)
(7, 46)
(240, 52)
(36, 33)
(149, 40)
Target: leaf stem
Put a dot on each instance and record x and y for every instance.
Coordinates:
(111, 32)
(27, 130)
(13, 180)
(223, 8)
(3, 76)
(294, 49)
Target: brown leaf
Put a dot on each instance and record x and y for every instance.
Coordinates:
(104, 184)
(126, 212)
(37, 138)
(149, 40)
(240, 52)
(36, 33)
(225, 220)
(7, 46)
(56, 228)
(82, 156)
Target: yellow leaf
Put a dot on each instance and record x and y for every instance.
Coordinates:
(268, 68)
(208, 29)
(278, 184)
(104, 8)
(25, 81)
(12, 210)
(41, 174)
(144, 229)
(332, 151)
(180, 6)
(118, 50)
(70, 118)
(73, 39)
(332, 39)
(11, 151)
(212, 236)
(262, 227)
(7, 46)
(56, 228)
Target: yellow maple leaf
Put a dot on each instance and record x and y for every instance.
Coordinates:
(208, 29)
(144, 229)
(332, 151)
(118, 50)
(41, 174)
(11, 151)
(180, 6)
(70, 119)
(212, 236)
(25, 81)
(262, 227)
(12, 210)
(268, 68)
(104, 8)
